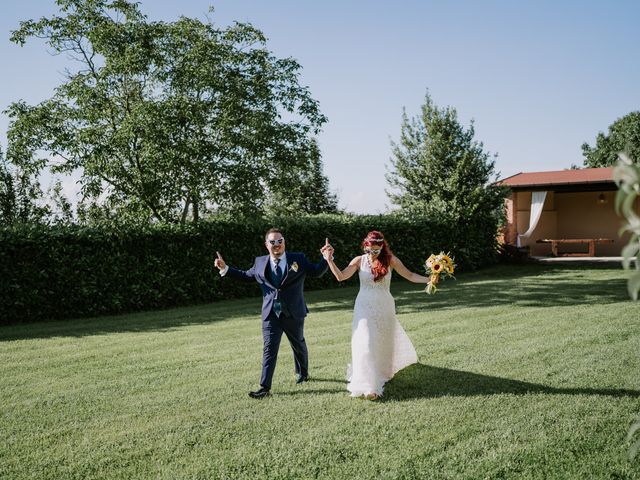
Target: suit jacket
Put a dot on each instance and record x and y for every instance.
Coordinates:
(290, 292)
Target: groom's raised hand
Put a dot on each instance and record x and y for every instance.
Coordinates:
(219, 262)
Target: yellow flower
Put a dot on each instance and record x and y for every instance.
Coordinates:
(436, 265)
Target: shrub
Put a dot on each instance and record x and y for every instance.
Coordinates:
(52, 272)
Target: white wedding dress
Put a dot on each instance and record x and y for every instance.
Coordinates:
(379, 345)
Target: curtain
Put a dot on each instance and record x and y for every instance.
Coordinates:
(537, 202)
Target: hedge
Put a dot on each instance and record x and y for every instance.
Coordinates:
(55, 272)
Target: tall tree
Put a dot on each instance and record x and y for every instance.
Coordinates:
(439, 169)
(164, 120)
(303, 189)
(20, 196)
(7, 193)
(623, 136)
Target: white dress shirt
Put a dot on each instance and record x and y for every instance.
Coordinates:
(282, 264)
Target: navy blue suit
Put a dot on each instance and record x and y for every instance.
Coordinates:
(294, 309)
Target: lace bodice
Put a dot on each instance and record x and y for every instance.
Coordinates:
(366, 277)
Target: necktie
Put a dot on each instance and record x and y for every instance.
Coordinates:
(277, 280)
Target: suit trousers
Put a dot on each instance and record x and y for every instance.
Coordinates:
(272, 329)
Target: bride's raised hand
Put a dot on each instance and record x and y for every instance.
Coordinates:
(327, 250)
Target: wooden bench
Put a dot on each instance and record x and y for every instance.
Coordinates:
(590, 241)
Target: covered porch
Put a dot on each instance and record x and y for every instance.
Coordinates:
(564, 213)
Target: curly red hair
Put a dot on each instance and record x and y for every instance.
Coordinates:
(380, 266)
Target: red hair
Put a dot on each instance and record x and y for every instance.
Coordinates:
(380, 266)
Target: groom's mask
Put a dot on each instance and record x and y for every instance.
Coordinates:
(275, 244)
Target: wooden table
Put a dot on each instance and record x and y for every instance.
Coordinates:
(590, 241)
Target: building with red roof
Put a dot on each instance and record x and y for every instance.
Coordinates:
(569, 211)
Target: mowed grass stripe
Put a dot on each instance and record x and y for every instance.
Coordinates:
(525, 372)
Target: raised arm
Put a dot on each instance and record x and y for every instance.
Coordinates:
(348, 272)
(399, 267)
(316, 269)
(244, 275)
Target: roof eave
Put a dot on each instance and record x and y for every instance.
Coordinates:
(594, 186)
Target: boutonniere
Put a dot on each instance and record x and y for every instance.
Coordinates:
(294, 266)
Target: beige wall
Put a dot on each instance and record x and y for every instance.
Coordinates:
(572, 215)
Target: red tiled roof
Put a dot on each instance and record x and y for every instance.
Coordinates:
(560, 177)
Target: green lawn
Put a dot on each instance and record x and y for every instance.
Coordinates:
(525, 372)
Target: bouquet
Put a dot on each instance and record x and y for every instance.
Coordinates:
(436, 265)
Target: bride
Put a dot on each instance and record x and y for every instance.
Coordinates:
(379, 345)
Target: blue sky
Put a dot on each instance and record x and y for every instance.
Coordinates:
(539, 78)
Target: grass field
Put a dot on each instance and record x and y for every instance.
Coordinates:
(524, 372)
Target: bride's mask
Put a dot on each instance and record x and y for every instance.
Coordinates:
(379, 255)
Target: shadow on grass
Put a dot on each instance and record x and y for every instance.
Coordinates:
(324, 391)
(313, 387)
(528, 285)
(425, 381)
(329, 380)
(518, 285)
(158, 320)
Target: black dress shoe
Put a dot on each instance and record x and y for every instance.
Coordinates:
(301, 378)
(260, 393)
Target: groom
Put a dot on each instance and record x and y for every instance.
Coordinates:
(281, 277)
